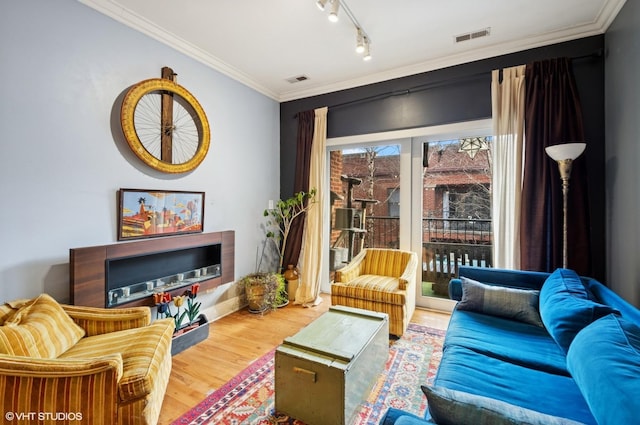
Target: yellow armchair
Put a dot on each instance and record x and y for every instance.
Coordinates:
(90, 386)
(83, 364)
(382, 280)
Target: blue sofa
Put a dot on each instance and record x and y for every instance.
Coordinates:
(534, 348)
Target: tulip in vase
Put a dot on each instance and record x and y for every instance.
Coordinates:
(196, 327)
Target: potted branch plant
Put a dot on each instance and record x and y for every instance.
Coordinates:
(280, 220)
(266, 290)
(263, 290)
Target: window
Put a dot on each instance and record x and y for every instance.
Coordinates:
(393, 202)
(456, 215)
(365, 206)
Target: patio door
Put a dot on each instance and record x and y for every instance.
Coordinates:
(386, 171)
(451, 203)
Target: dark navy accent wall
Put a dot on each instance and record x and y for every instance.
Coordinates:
(457, 94)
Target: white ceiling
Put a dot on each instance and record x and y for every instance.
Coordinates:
(263, 43)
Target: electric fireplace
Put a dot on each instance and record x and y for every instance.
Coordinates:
(128, 273)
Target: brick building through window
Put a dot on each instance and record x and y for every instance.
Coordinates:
(455, 186)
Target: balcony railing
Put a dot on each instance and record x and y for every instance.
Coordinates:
(457, 230)
(451, 243)
(382, 232)
(447, 244)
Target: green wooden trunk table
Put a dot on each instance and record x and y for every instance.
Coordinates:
(324, 372)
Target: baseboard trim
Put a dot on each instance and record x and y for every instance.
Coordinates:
(224, 308)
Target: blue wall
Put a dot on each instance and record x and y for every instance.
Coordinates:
(64, 68)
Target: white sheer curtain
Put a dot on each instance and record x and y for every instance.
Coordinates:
(312, 254)
(508, 146)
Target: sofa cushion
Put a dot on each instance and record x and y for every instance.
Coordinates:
(463, 369)
(143, 351)
(40, 329)
(511, 303)
(393, 415)
(450, 407)
(565, 307)
(604, 360)
(508, 340)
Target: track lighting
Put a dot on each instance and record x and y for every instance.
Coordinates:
(333, 13)
(362, 39)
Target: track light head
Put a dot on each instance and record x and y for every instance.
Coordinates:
(360, 41)
(321, 4)
(333, 13)
(367, 54)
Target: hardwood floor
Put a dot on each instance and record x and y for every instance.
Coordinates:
(234, 342)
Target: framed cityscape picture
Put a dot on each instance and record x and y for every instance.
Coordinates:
(144, 213)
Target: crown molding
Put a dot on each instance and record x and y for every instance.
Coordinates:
(127, 17)
(139, 23)
(452, 60)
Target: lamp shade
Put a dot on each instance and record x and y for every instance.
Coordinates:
(565, 151)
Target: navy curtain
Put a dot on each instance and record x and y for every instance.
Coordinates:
(553, 115)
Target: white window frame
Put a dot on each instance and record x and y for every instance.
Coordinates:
(411, 144)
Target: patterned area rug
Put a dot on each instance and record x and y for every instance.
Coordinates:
(249, 397)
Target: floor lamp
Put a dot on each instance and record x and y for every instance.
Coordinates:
(564, 154)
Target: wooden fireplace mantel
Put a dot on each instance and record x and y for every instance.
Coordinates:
(88, 270)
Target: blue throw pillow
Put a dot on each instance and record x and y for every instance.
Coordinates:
(565, 307)
(510, 303)
(451, 407)
(604, 360)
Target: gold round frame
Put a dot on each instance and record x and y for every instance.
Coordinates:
(195, 117)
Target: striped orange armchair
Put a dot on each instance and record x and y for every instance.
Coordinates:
(71, 364)
(382, 280)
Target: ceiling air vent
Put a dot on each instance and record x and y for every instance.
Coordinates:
(472, 35)
(297, 79)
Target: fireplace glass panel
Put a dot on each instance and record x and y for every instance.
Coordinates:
(130, 278)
